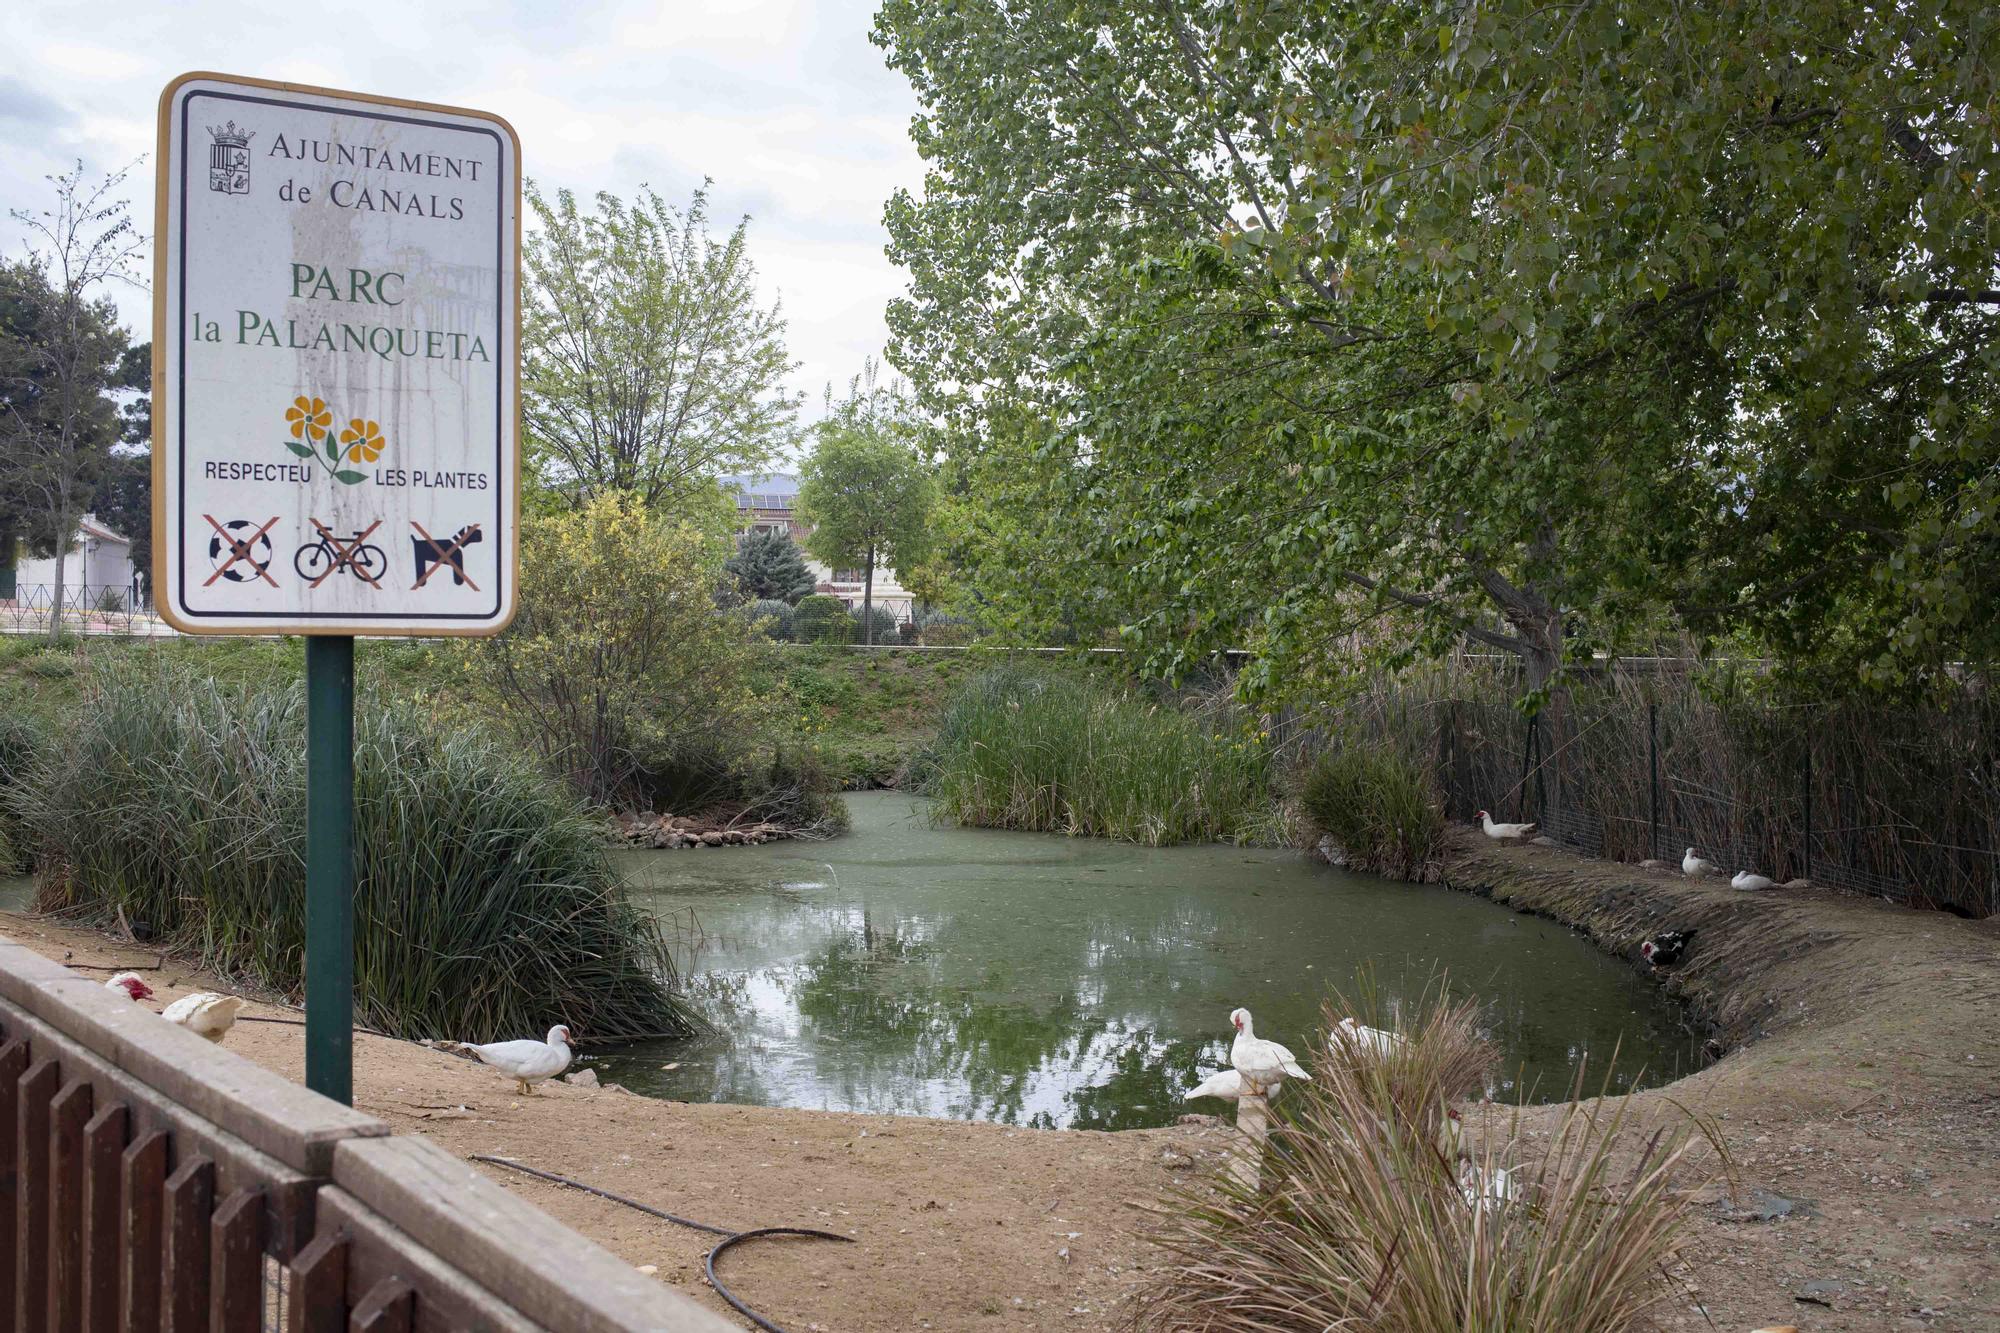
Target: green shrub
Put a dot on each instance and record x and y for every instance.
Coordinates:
(1380, 807)
(1031, 749)
(941, 630)
(772, 618)
(617, 650)
(822, 619)
(884, 621)
(485, 904)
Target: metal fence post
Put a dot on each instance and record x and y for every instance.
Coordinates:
(1653, 768)
(1805, 788)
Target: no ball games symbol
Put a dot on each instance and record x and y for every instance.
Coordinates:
(433, 555)
(249, 550)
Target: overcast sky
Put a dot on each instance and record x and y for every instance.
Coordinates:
(784, 103)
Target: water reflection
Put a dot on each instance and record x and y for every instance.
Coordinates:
(1060, 982)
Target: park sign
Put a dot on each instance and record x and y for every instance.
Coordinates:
(336, 367)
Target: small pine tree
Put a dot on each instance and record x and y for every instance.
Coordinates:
(770, 568)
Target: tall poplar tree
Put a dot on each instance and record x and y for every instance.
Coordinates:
(650, 364)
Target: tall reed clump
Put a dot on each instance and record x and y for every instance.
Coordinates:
(20, 741)
(1032, 749)
(1372, 1215)
(485, 905)
(1381, 808)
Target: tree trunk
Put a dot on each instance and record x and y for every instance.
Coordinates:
(56, 593)
(868, 600)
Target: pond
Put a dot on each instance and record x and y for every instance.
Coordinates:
(1069, 982)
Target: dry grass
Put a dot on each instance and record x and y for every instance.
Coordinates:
(1370, 1214)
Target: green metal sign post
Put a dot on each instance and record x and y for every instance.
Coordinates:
(330, 866)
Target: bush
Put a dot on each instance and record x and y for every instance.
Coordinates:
(617, 649)
(822, 619)
(884, 621)
(1380, 807)
(1030, 749)
(485, 905)
(795, 789)
(772, 618)
(1374, 1213)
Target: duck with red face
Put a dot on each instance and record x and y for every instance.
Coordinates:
(131, 984)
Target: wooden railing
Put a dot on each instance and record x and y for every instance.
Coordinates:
(154, 1183)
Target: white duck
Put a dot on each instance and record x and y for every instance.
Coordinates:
(1263, 1064)
(1373, 1041)
(1745, 879)
(204, 1013)
(1227, 1085)
(1692, 865)
(526, 1062)
(131, 984)
(1504, 831)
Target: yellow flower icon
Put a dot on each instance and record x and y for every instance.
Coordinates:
(309, 419)
(363, 440)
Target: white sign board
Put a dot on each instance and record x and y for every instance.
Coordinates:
(336, 363)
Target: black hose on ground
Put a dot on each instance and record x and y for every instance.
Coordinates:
(729, 1237)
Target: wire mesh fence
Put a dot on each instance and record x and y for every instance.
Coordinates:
(87, 608)
(1903, 803)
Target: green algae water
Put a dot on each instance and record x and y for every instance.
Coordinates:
(1066, 982)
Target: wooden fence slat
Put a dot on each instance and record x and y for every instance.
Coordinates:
(103, 1232)
(388, 1307)
(190, 1199)
(319, 1286)
(236, 1275)
(13, 1063)
(142, 1176)
(31, 1229)
(68, 1114)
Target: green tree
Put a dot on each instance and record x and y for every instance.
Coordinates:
(867, 497)
(617, 655)
(61, 350)
(650, 367)
(1534, 324)
(767, 565)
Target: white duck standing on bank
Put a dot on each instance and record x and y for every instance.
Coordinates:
(1263, 1064)
(1746, 879)
(526, 1062)
(1504, 831)
(205, 1013)
(1693, 866)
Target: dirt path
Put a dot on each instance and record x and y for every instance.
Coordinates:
(1860, 1090)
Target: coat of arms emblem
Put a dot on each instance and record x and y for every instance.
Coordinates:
(229, 159)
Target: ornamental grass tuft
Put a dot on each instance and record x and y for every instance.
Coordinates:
(485, 904)
(1377, 1211)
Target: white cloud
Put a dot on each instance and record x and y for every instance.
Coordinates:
(783, 103)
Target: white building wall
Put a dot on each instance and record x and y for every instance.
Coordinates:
(96, 560)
